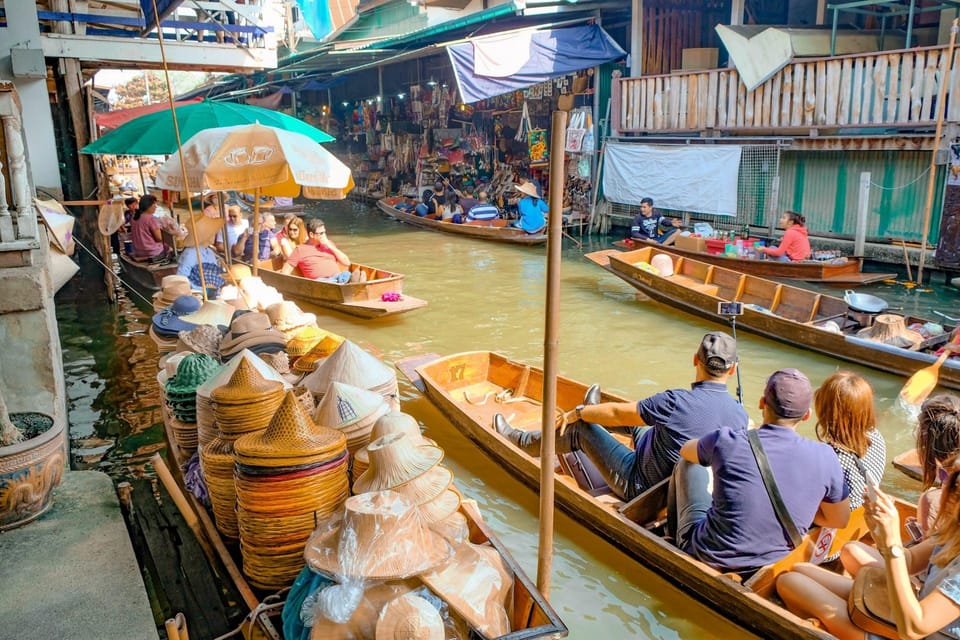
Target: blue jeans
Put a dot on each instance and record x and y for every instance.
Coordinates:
(666, 234)
(341, 278)
(688, 501)
(783, 258)
(421, 210)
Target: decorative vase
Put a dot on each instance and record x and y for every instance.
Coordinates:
(29, 470)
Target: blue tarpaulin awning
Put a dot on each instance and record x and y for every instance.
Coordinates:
(500, 63)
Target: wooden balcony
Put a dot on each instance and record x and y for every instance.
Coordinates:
(871, 93)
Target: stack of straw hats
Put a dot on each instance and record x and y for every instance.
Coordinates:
(257, 295)
(251, 330)
(400, 464)
(286, 477)
(410, 617)
(180, 392)
(363, 623)
(247, 403)
(393, 422)
(352, 365)
(318, 353)
(206, 425)
(171, 288)
(287, 318)
(303, 340)
(212, 312)
(167, 323)
(351, 410)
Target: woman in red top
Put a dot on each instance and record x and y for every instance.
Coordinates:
(795, 245)
(145, 231)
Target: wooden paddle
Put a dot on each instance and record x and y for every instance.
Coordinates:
(924, 381)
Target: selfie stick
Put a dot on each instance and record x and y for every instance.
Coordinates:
(733, 327)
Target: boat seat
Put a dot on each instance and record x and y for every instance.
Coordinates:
(649, 507)
(696, 285)
(578, 466)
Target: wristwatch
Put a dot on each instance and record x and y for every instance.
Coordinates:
(578, 410)
(894, 551)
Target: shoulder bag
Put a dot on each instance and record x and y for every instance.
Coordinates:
(772, 490)
(869, 603)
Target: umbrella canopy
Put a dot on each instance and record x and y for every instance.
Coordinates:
(119, 117)
(245, 158)
(153, 134)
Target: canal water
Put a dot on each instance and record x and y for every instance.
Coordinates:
(482, 296)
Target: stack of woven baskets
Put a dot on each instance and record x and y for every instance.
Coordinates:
(287, 477)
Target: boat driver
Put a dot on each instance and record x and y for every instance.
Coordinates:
(650, 224)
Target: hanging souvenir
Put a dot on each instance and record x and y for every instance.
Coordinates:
(524, 125)
(538, 147)
(387, 140)
(548, 89)
(575, 132)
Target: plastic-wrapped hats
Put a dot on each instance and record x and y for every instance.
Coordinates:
(381, 538)
(351, 410)
(354, 366)
(410, 617)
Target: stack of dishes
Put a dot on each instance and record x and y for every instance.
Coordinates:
(352, 411)
(393, 422)
(206, 424)
(286, 477)
(180, 393)
(318, 354)
(352, 365)
(247, 403)
(413, 470)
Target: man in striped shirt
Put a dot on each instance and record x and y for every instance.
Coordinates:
(483, 210)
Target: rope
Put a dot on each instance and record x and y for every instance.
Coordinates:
(107, 267)
(903, 186)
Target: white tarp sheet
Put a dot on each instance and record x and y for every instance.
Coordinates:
(697, 178)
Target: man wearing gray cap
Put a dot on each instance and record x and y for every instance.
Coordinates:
(737, 528)
(674, 417)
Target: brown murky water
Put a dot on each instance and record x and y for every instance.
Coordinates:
(481, 296)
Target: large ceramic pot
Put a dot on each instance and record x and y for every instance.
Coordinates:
(30, 470)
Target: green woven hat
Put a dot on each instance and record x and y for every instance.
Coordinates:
(192, 371)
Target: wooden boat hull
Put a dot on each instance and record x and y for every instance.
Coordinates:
(509, 235)
(447, 381)
(847, 273)
(687, 291)
(144, 275)
(360, 299)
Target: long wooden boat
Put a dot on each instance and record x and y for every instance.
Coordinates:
(496, 230)
(269, 207)
(774, 310)
(847, 272)
(143, 274)
(361, 299)
(635, 527)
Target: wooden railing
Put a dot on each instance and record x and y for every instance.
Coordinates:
(882, 89)
(18, 228)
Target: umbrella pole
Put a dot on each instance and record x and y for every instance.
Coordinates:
(183, 162)
(941, 104)
(223, 230)
(255, 256)
(550, 344)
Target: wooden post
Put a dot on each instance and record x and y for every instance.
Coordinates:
(941, 102)
(863, 212)
(550, 341)
(255, 257)
(636, 38)
(774, 202)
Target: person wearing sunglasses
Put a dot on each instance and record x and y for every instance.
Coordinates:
(293, 234)
(236, 226)
(319, 258)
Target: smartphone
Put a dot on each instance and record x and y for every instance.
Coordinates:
(871, 483)
(730, 308)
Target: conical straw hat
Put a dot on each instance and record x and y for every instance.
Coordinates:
(427, 486)
(291, 436)
(394, 422)
(344, 405)
(440, 508)
(394, 460)
(304, 339)
(245, 385)
(454, 527)
(364, 620)
(410, 617)
(475, 584)
(206, 227)
(352, 365)
(223, 374)
(318, 354)
(382, 537)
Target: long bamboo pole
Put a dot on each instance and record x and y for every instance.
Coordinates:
(183, 161)
(941, 105)
(550, 344)
(255, 257)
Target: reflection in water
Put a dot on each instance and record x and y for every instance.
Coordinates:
(481, 296)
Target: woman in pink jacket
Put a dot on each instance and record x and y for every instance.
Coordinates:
(795, 245)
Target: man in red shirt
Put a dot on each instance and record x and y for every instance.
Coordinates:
(318, 258)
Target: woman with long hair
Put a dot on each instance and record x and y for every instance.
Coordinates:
(938, 439)
(795, 245)
(145, 231)
(846, 420)
(293, 234)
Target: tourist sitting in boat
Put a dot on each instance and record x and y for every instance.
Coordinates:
(129, 210)
(211, 205)
(467, 200)
(428, 205)
(484, 210)
(269, 247)
(187, 265)
(650, 224)
(293, 234)
(319, 258)
(531, 208)
(736, 528)
(451, 211)
(846, 420)
(236, 227)
(282, 201)
(674, 417)
(795, 245)
(814, 592)
(938, 440)
(145, 232)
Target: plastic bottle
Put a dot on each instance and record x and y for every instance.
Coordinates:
(740, 247)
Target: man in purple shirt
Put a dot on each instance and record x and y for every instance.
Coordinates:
(736, 529)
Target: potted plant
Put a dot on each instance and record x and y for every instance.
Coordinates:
(31, 464)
